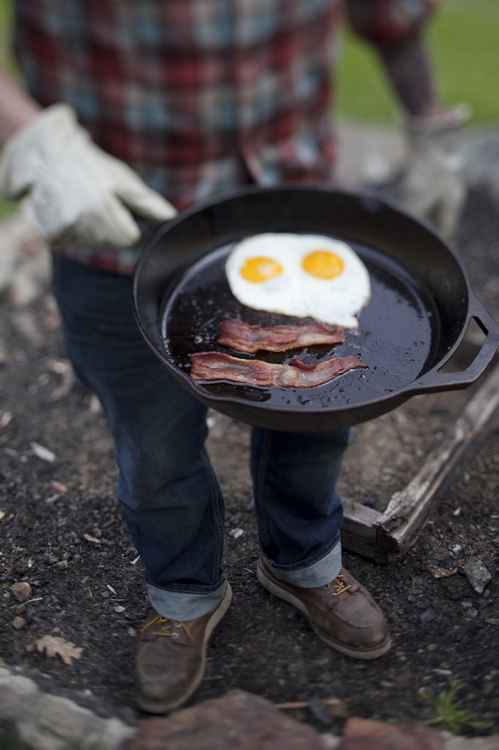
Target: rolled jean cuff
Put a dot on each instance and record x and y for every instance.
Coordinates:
(183, 606)
(312, 576)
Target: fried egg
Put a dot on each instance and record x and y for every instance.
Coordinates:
(301, 275)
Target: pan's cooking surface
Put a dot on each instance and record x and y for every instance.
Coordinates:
(397, 334)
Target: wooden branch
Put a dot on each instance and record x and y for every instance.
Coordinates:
(387, 536)
(440, 462)
(306, 704)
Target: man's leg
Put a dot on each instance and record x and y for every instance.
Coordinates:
(299, 518)
(170, 496)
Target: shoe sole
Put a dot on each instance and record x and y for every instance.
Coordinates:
(162, 707)
(287, 596)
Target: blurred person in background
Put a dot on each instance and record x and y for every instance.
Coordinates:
(142, 109)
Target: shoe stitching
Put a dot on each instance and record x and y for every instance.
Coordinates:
(164, 627)
(339, 586)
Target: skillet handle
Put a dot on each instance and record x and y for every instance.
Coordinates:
(148, 229)
(438, 381)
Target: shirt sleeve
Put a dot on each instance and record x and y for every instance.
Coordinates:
(388, 22)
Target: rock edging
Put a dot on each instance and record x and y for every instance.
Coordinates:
(49, 722)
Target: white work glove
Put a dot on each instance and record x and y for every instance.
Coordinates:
(79, 194)
(432, 185)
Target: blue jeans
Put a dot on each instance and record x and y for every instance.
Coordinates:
(168, 490)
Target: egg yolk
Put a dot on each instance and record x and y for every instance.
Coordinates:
(323, 264)
(258, 270)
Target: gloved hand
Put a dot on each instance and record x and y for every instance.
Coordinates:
(80, 194)
(432, 185)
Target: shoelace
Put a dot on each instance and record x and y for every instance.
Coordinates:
(339, 586)
(164, 627)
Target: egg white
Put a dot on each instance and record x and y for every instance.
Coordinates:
(295, 292)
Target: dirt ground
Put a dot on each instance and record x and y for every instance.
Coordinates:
(62, 532)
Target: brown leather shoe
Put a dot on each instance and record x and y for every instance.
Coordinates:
(171, 657)
(343, 613)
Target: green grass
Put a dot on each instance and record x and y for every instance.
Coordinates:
(7, 209)
(463, 39)
(5, 29)
(448, 712)
(6, 63)
(12, 742)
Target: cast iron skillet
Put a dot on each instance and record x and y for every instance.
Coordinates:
(419, 312)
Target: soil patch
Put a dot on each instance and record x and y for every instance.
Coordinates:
(62, 532)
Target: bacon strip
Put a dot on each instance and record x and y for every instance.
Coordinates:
(208, 366)
(243, 337)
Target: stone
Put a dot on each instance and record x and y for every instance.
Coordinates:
(59, 723)
(48, 722)
(21, 591)
(62, 718)
(18, 696)
(237, 720)
(427, 616)
(478, 575)
(330, 740)
(464, 743)
(367, 734)
(114, 734)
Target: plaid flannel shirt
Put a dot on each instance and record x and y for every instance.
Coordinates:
(200, 96)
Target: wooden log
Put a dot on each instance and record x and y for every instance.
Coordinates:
(359, 532)
(387, 536)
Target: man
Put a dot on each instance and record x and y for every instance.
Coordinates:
(145, 108)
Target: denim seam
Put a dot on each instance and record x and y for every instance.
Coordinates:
(263, 464)
(217, 556)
